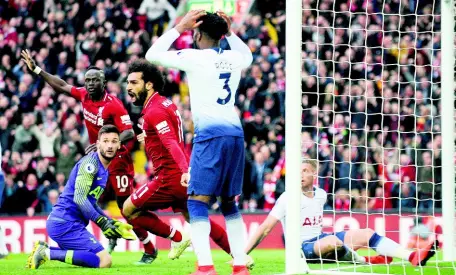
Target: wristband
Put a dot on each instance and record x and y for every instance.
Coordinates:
(37, 70)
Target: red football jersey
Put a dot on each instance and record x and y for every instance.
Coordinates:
(109, 110)
(163, 136)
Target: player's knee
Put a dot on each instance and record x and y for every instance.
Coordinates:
(333, 250)
(128, 209)
(229, 208)
(367, 233)
(105, 260)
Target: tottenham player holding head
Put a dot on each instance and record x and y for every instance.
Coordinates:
(77, 205)
(217, 161)
(100, 108)
(318, 246)
(164, 141)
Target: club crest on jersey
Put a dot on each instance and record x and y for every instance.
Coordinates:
(100, 120)
(89, 168)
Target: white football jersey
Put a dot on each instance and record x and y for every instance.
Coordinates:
(311, 213)
(213, 78)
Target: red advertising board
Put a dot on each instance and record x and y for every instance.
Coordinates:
(22, 232)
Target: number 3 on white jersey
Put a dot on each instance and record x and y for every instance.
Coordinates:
(226, 76)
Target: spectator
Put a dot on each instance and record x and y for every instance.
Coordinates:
(23, 136)
(157, 11)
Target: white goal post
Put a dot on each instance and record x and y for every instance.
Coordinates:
(444, 117)
(448, 134)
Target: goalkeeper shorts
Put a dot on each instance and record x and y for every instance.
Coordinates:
(72, 235)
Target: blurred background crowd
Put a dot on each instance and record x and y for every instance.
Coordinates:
(369, 113)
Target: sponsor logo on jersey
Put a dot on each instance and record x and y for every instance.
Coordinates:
(162, 127)
(125, 119)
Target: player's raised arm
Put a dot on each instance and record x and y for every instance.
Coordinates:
(158, 53)
(56, 83)
(236, 44)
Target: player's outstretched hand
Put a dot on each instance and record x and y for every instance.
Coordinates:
(227, 20)
(27, 58)
(190, 21)
(185, 179)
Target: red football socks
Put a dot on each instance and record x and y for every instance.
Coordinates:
(219, 236)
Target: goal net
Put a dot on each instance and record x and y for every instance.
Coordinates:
(371, 114)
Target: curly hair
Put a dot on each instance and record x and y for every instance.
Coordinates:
(213, 26)
(150, 73)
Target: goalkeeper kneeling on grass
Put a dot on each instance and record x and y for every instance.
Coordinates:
(77, 205)
(318, 246)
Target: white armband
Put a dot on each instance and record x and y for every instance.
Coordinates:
(37, 70)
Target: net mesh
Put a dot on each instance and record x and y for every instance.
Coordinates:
(371, 105)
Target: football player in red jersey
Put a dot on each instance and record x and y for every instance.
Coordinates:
(163, 137)
(100, 108)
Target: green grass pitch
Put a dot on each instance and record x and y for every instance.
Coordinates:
(266, 262)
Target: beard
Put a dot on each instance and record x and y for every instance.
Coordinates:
(103, 154)
(141, 98)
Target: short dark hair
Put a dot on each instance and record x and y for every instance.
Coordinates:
(213, 26)
(108, 128)
(150, 73)
(94, 68)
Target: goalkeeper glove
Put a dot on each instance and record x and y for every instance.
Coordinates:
(109, 228)
(125, 230)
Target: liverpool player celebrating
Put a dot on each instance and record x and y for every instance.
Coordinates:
(163, 136)
(100, 108)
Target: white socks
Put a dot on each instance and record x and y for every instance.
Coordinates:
(201, 244)
(235, 232)
(388, 247)
(352, 256)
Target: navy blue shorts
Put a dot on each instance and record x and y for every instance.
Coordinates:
(72, 235)
(308, 246)
(217, 167)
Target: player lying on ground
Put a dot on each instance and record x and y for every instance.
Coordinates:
(164, 143)
(217, 161)
(318, 246)
(77, 205)
(100, 108)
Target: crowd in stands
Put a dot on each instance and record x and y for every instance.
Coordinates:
(371, 111)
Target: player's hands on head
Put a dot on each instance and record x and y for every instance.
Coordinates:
(190, 21)
(227, 20)
(185, 178)
(91, 148)
(27, 58)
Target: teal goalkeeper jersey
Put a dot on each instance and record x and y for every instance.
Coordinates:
(86, 183)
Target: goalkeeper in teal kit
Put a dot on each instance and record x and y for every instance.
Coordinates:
(77, 205)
